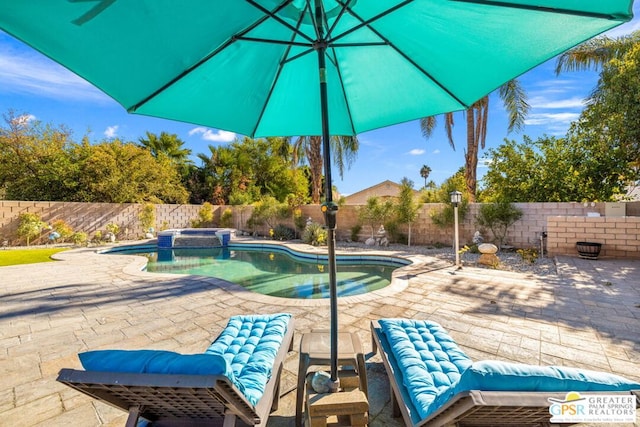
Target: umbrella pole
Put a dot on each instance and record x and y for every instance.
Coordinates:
(329, 208)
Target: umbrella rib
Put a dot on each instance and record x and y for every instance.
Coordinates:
(207, 57)
(366, 23)
(277, 75)
(281, 21)
(270, 41)
(542, 9)
(345, 7)
(401, 53)
(334, 60)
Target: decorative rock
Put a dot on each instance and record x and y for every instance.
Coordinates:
(321, 382)
(487, 248)
(489, 259)
(370, 241)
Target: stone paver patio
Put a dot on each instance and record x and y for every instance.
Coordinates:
(587, 316)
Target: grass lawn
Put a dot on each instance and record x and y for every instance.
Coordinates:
(27, 256)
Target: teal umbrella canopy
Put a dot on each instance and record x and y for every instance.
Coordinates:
(250, 66)
(304, 67)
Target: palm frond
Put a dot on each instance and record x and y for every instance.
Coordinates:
(515, 102)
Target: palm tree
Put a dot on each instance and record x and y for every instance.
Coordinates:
(514, 99)
(424, 172)
(345, 149)
(594, 53)
(166, 144)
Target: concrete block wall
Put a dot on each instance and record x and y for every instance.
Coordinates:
(620, 237)
(92, 217)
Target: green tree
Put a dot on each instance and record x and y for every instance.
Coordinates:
(376, 212)
(245, 170)
(424, 173)
(35, 160)
(578, 167)
(344, 149)
(407, 208)
(445, 217)
(596, 53)
(117, 172)
(167, 145)
(614, 101)
(515, 102)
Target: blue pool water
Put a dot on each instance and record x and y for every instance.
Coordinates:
(273, 270)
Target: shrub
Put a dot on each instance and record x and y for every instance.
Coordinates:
(298, 220)
(355, 231)
(113, 228)
(376, 212)
(147, 217)
(498, 217)
(97, 236)
(314, 234)
(30, 226)
(393, 233)
(529, 255)
(267, 211)
(226, 218)
(79, 238)
(63, 229)
(282, 232)
(205, 216)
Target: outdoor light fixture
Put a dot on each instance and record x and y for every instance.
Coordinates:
(456, 198)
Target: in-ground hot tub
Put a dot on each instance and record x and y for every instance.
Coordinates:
(194, 237)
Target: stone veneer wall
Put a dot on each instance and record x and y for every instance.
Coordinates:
(92, 217)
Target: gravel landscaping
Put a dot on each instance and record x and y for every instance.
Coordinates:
(509, 260)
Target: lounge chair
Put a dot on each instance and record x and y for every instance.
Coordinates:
(434, 383)
(236, 380)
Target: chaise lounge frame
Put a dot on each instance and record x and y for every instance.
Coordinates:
(182, 400)
(472, 408)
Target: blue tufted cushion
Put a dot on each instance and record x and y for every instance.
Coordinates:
(155, 362)
(250, 345)
(496, 375)
(430, 361)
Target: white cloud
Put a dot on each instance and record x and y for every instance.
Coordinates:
(546, 119)
(111, 131)
(417, 152)
(436, 152)
(26, 72)
(213, 135)
(543, 102)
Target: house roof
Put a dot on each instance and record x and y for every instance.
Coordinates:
(385, 188)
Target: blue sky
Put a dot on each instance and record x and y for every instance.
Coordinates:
(32, 84)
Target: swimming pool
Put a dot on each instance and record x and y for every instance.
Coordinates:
(272, 269)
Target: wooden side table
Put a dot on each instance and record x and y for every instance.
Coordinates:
(315, 350)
